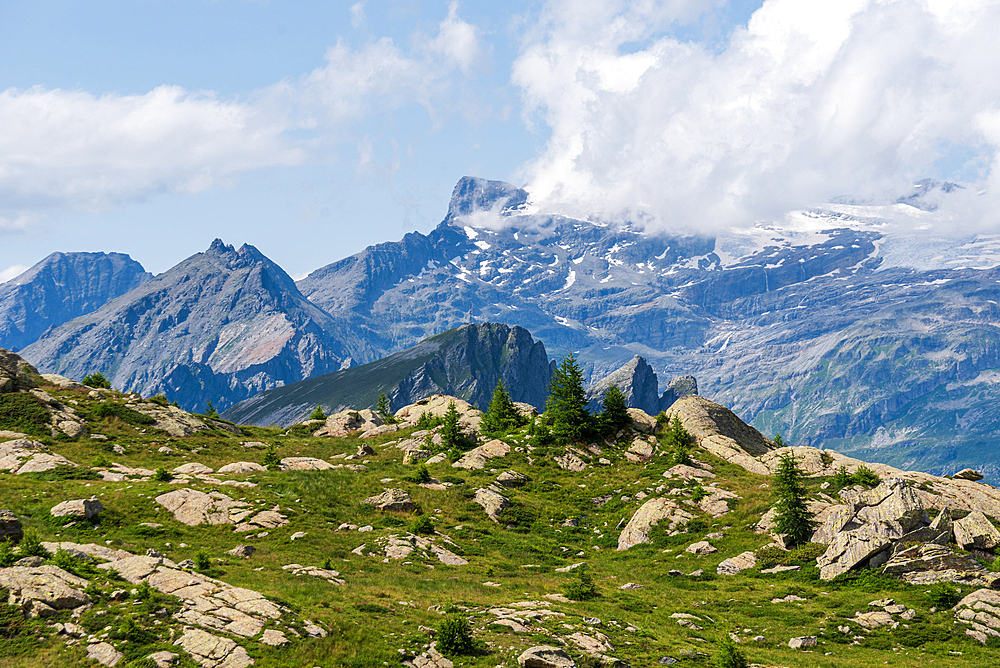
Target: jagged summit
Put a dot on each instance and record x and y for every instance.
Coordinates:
(638, 382)
(473, 194)
(220, 326)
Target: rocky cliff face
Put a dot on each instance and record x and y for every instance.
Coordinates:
(465, 362)
(220, 326)
(61, 287)
(638, 382)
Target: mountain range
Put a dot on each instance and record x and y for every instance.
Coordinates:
(836, 326)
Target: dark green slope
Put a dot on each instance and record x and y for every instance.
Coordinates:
(465, 362)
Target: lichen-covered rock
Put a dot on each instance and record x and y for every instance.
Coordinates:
(242, 467)
(348, 422)
(511, 479)
(469, 416)
(171, 419)
(894, 500)
(643, 422)
(980, 610)
(649, 515)
(193, 507)
(924, 564)
(22, 455)
(851, 548)
(393, 499)
(83, 509)
(478, 457)
(722, 432)
(734, 565)
(545, 656)
(640, 450)
(494, 504)
(15, 373)
(570, 462)
(45, 584)
(304, 464)
(976, 531)
(104, 653)
(968, 474)
(212, 651)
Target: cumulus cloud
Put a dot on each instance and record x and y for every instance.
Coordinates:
(807, 101)
(75, 150)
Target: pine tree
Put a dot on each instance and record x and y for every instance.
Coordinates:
(384, 409)
(793, 518)
(614, 413)
(677, 441)
(318, 414)
(451, 433)
(567, 402)
(501, 416)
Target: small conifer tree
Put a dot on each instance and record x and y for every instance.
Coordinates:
(318, 414)
(501, 416)
(451, 432)
(678, 442)
(384, 409)
(614, 413)
(793, 517)
(566, 406)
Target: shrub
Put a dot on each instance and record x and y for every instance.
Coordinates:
(865, 476)
(97, 380)
(210, 411)
(71, 564)
(943, 595)
(31, 545)
(271, 461)
(384, 408)
(160, 400)
(423, 524)
(7, 556)
(327, 564)
(108, 409)
(842, 478)
(202, 562)
(454, 638)
(420, 475)
(162, 475)
(698, 493)
(583, 589)
(542, 438)
(317, 414)
(100, 461)
(131, 631)
(678, 443)
(730, 654)
(17, 634)
(23, 412)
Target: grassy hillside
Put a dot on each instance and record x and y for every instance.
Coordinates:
(384, 611)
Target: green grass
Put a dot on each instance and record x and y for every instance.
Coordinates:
(380, 609)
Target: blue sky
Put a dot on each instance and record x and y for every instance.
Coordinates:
(313, 129)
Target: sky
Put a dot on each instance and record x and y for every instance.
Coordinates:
(313, 129)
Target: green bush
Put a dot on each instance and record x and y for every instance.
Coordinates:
(17, 634)
(678, 442)
(97, 380)
(943, 595)
(23, 412)
(423, 524)
(771, 556)
(71, 564)
(162, 475)
(420, 475)
(583, 588)
(454, 638)
(31, 545)
(159, 400)
(7, 555)
(317, 414)
(730, 654)
(865, 476)
(100, 461)
(271, 461)
(113, 409)
(202, 562)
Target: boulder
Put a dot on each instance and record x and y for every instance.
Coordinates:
(83, 509)
(193, 468)
(802, 641)
(976, 531)
(968, 474)
(894, 500)
(15, 373)
(570, 462)
(393, 499)
(734, 565)
(245, 551)
(722, 432)
(304, 464)
(173, 420)
(649, 515)
(469, 416)
(643, 422)
(478, 457)
(104, 653)
(416, 456)
(192, 507)
(242, 467)
(700, 548)
(213, 651)
(854, 547)
(10, 527)
(347, 422)
(687, 472)
(545, 656)
(494, 504)
(511, 479)
(924, 564)
(640, 450)
(45, 584)
(980, 610)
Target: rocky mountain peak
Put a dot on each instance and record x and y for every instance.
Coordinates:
(638, 382)
(474, 194)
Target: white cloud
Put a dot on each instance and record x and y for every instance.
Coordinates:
(74, 150)
(357, 15)
(12, 272)
(808, 101)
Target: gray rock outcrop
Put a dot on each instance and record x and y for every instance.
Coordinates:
(976, 531)
(493, 503)
(10, 527)
(980, 611)
(649, 515)
(638, 382)
(15, 373)
(393, 499)
(83, 509)
(545, 656)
